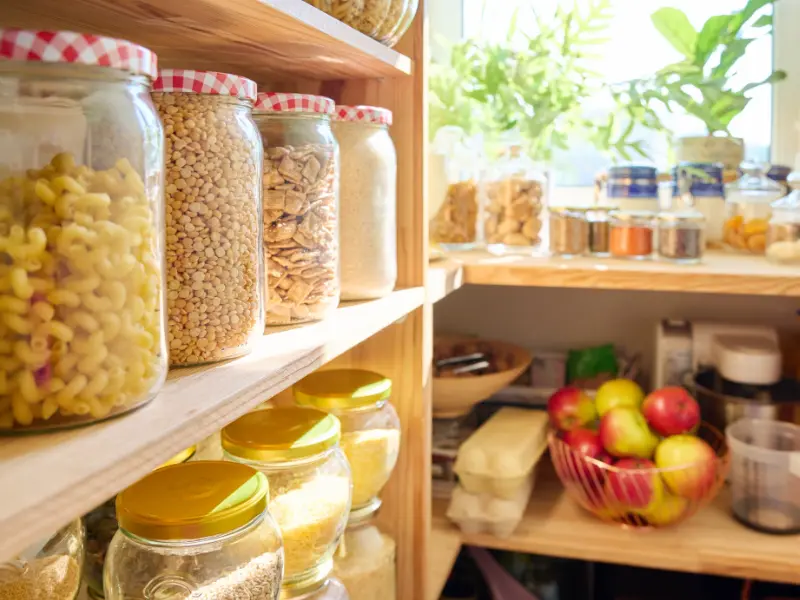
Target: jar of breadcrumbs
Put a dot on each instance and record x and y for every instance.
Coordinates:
(301, 206)
(215, 286)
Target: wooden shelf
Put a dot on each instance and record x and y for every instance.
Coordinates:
(47, 480)
(444, 278)
(261, 39)
(710, 542)
(445, 544)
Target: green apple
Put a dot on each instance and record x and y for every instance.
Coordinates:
(667, 510)
(618, 392)
(690, 465)
(624, 433)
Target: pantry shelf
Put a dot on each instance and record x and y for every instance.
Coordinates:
(260, 39)
(445, 544)
(48, 480)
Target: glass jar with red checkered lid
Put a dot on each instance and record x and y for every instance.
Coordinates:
(301, 206)
(81, 255)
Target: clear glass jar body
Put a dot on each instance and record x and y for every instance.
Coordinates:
(783, 233)
(239, 564)
(367, 211)
(599, 225)
(569, 232)
(632, 234)
(391, 24)
(365, 562)
(215, 286)
(82, 265)
(50, 569)
(681, 237)
(408, 18)
(748, 210)
(301, 216)
(309, 500)
(331, 589)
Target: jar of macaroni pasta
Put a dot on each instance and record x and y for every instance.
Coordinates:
(365, 561)
(301, 206)
(309, 482)
(81, 255)
(405, 23)
(215, 290)
(195, 530)
(370, 426)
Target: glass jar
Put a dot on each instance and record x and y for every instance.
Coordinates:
(330, 589)
(368, 199)
(598, 222)
(633, 187)
(49, 569)
(408, 18)
(81, 260)
(370, 425)
(703, 182)
(215, 291)
(783, 234)
(390, 26)
(365, 561)
(199, 529)
(569, 232)
(780, 174)
(632, 234)
(301, 206)
(513, 197)
(681, 236)
(749, 209)
(309, 481)
(101, 525)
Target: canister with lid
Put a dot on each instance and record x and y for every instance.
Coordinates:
(783, 233)
(633, 187)
(681, 236)
(749, 208)
(703, 181)
(632, 234)
(598, 221)
(569, 231)
(365, 560)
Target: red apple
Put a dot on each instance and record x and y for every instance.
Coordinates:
(671, 410)
(634, 485)
(689, 465)
(624, 433)
(585, 445)
(570, 408)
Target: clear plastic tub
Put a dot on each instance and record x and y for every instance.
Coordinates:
(765, 474)
(484, 513)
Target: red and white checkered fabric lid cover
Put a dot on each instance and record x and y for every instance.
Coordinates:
(283, 102)
(76, 48)
(363, 114)
(205, 82)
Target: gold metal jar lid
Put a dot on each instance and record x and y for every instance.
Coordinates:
(342, 389)
(281, 434)
(191, 501)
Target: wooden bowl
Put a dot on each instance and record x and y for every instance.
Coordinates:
(455, 396)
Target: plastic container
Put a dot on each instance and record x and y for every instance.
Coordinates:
(749, 208)
(486, 513)
(499, 457)
(81, 199)
(368, 199)
(49, 569)
(633, 187)
(632, 234)
(681, 236)
(301, 206)
(197, 529)
(405, 23)
(215, 287)
(569, 232)
(783, 232)
(365, 561)
(765, 474)
(370, 426)
(703, 182)
(309, 483)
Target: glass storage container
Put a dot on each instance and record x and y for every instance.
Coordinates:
(370, 425)
(330, 589)
(632, 233)
(301, 206)
(47, 570)
(681, 236)
(365, 561)
(598, 222)
(215, 292)
(783, 233)
(748, 209)
(388, 31)
(704, 182)
(408, 18)
(309, 483)
(368, 199)
(569, 231)
(81, 256)
(633, 187)
(195, 530)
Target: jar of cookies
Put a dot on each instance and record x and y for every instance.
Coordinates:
(301, 206)
(215, 302)
(748, 209)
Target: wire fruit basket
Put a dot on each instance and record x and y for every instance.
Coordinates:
(643, 496)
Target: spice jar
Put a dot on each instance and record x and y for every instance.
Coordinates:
(681, 236)
(365, 561)
(370, 425)
(783, 233)
(81, 263)
(569, 231)
(405, 23)
(215, 303)
(633, 187)
(309, 481)
(301, 206)
(330, 589)
(368, 199)
(704, 182)
(49, 569)
(200, 530)
(598, 223)
(632, 234)
(749, 209)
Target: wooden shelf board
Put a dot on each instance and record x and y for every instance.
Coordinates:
(47, 480)
(260, 39)
(444, 278)
(445, 544)
(711, 542)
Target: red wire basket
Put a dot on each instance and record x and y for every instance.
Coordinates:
(642, 497)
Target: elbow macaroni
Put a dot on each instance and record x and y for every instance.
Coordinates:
(81, 332)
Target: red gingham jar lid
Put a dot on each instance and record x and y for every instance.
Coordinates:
(282, 102)
(205, 82)
(363, 114)
(76, 48)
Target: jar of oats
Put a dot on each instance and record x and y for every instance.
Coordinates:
(368, 197)
(215, 303)
(301, 206)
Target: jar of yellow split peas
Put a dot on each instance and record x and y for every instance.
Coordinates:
(749, 207)
(81, 229)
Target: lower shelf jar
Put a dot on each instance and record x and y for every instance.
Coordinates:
(681, 237)
(365, 561)
(330, 589)
(632, 233)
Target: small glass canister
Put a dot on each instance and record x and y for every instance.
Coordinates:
(783, 234)
(598, 221)
(633, 187)
(749, 207)
(632, 234)
(301, 206)
(569, 231)
(370, 425)
(704, 182)
(309, 483)
(365, 561)
(681, 236)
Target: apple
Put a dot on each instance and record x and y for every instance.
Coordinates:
(666, 511)
(624, 433)
(618, 392)
(671, 410)
(585, 443)
(634, 485)
(570, 408)
(690, 465)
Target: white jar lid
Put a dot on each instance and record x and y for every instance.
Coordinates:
(754, 360)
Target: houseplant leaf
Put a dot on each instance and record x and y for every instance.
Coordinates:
(674, 25)
(709, 38)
